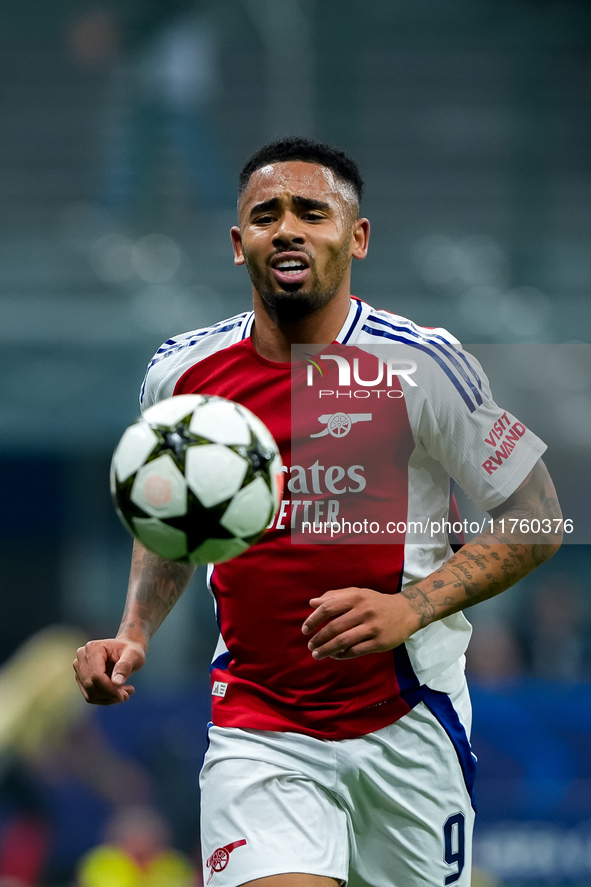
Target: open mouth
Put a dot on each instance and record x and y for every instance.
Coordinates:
(290, 268)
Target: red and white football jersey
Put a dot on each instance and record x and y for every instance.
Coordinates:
(367, 436)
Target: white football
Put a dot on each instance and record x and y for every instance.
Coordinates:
(197, 478)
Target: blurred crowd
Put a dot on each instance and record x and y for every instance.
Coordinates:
(548, 636)
(50, 742)
(161, 152)
(136, 852)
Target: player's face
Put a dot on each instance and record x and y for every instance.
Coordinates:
(299, 230)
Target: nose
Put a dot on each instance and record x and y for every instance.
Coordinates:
(288, 231)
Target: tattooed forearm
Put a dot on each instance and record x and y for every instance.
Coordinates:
(419, 601)
(493, 561)
(155, 586)
(163, 578)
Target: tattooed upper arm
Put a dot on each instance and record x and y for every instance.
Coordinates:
(532, 513)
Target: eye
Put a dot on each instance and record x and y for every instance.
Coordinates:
(267, 219)
(313, 216)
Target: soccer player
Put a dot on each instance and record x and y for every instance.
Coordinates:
(339, 751)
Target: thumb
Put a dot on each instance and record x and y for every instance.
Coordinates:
(130, 661)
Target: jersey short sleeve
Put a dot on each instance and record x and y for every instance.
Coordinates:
(482, 446)
(458, 428)
(179, 353)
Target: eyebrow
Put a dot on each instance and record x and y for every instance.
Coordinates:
(305, 202)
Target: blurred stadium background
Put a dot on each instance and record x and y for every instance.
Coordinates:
(124, 127)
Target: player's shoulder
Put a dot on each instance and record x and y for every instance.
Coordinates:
(442, 365)
(381, 323)
(179, 352)
(218, 335)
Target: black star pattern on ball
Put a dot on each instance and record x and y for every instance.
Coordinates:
(177, 440)
(259, 457)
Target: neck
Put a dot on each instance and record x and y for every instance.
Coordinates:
(273, 339)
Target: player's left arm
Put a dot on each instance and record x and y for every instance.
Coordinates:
(350, 622)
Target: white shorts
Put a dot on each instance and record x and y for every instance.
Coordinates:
(390, 809)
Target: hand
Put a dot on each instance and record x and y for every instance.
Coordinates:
(103, 667)
(351, 622)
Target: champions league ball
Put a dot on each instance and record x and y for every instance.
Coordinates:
(197, 478)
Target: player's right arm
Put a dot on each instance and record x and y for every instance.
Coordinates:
(104, 667)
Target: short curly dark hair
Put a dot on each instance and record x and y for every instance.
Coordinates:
(309, 150)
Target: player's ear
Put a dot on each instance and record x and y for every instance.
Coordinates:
(237, 245)
(360, 238)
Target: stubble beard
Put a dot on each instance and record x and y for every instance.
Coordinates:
(289, 306)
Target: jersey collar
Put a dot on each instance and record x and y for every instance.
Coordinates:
(358, 314)
(356, 317)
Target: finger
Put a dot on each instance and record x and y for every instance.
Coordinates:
(125, 666)
(91, 666)
(101, 692)
(335, 627)
(81, 686)
(357, 650)
(331, 594)
(97, 695)
(326, 607)
(122, 670)
(339, 646)
(94, 659)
